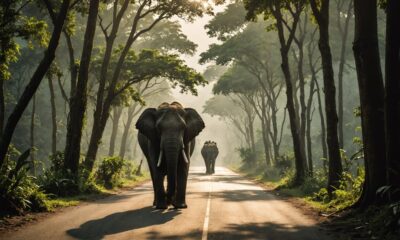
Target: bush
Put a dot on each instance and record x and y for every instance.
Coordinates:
(18, 189)
(248, 157)
(284, 163)
(315, 183)
(346, 195)
(110, 172)
(56, 180)
(60, 182)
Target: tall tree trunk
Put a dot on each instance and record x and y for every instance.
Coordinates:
(250, 122)
(32, 136)
(392, 93)
(34, 83)
(53, 117)
(79, 100)
(310, 53)
(308, 127)
(303, 109)
(131, 114)
(300, 162)
(342, 61)
(72, 64)
(2, 105)
(370, 83)
(334, 158)
(323, 126)
(100, 112)
(117, 112)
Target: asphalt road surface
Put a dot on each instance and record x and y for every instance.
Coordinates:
(222, 206)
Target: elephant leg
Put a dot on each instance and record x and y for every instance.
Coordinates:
(153, 181)
(183, 172)
(160, 196)
(213, 166)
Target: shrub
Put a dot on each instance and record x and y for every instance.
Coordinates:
(18, 189)
(60, 182)
(313, 184)
(284, 163)
(56, 180)
(347, 194)
(110, 171)
(248, 157)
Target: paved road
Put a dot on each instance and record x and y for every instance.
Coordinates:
(222, 206)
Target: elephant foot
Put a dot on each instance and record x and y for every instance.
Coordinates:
(161, 206)
(169, 200)
(180, 205)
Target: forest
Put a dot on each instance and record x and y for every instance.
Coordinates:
(302, 96)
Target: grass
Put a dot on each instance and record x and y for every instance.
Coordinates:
(61, 202)
(281, 184)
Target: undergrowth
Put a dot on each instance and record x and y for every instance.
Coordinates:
(55, 187)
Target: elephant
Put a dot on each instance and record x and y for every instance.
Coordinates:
(210, 154)
(166, 136)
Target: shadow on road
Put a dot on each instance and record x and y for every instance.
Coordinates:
(267, 231)
(122, 221)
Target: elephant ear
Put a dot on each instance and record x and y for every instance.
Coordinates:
(194, 124)
(146, 124)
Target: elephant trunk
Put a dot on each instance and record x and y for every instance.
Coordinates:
(172, 148)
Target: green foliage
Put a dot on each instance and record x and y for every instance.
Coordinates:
(110, 171)
(284, 163)
(147, 65)
(166, 37)
(227, 23)
(59, 182)
(15, 26)
(346, 195)
(248, 157)
(18, 190)
(236, 80)
(56, 180)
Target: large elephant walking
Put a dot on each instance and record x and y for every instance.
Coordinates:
(210, 154)
(167, 139)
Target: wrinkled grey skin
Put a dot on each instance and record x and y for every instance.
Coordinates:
(210, 154)
(169, 132)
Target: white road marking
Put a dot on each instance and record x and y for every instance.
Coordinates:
(207, 217)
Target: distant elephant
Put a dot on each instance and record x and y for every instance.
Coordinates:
(167, 139)
(210, 154)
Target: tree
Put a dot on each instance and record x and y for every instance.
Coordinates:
(343, 11)
(78, 100)
(286, 33)
(151, 11)
(116, 115)
(231, 112)
(34, 82)
(251, 50)
(370, 84)
(392, 93)
(321, 15)
(15, 25)
(239, 83)
(147, 65)
(51, 73)
(166, 37)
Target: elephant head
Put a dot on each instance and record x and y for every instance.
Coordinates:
(170, 129)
